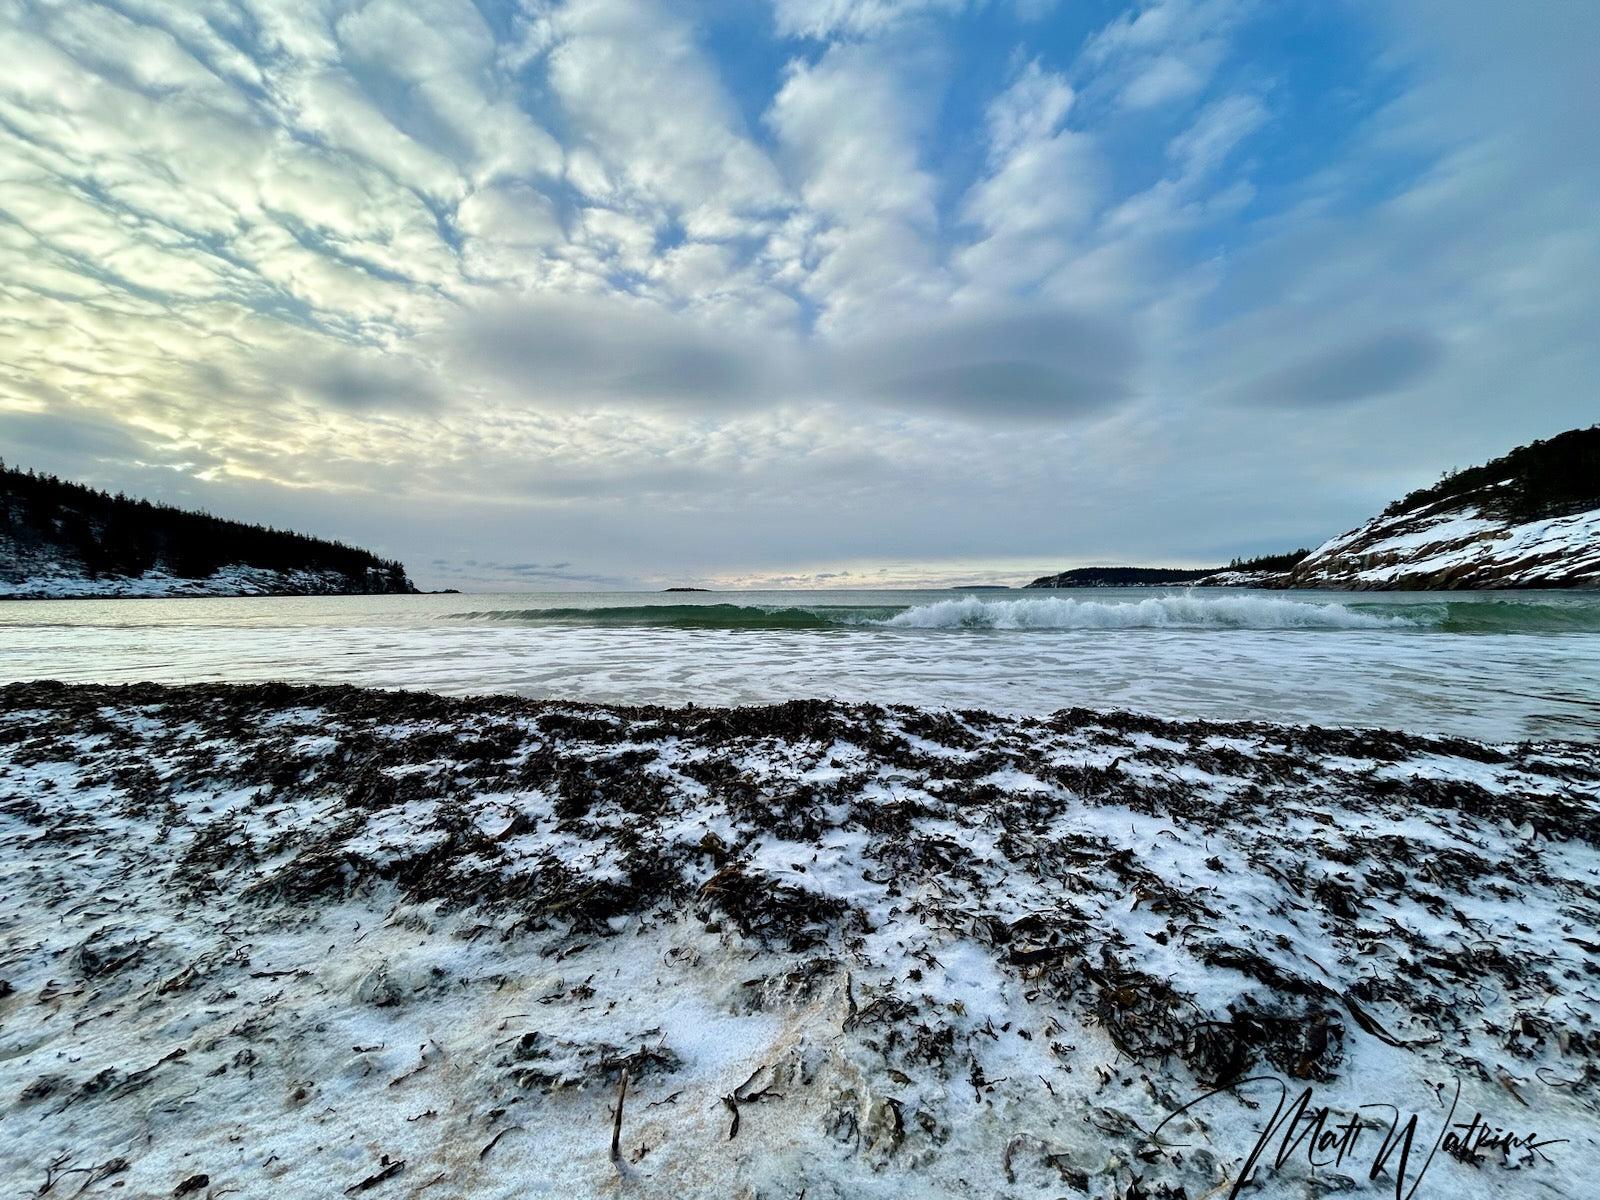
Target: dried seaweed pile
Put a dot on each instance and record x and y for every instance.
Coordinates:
(312, 941)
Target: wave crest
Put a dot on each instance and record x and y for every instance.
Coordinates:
(1186, 611)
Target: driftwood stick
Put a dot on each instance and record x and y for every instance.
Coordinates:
(616, 1119)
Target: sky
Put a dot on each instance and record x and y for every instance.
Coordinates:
(794, 293)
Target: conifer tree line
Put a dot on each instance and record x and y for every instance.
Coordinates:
(1271, 562)
(118, 535)
(1542, 479)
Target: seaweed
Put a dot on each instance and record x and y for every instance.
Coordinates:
(541, 1062)
(1095, 861)
(774, 914)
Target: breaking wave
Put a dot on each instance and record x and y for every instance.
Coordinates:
(1186, 611)
(1198, 610)
(696, 616)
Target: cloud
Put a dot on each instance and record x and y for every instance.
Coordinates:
(823, 19)
(850, 128)
(1162, 53)
(997, 363)
(508, 233)
(645, 101)
(1217, 130)
(1168, 77)
(1034, 366)
(1029, 111)
(77, 437)
(574, 353)
(360, 383)
(1371, 366)
(87, 447)
(850, 138)
(1490, 68)
(1040, 192)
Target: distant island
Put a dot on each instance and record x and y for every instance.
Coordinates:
(1528, 519)
(1082, 577)
(685, 589)
(1090, 577)
(61, 540)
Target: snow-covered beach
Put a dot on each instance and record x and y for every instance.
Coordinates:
(267, 940)
(626, 599)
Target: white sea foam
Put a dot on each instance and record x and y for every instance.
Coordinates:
(1509, 682)
(1186, 611)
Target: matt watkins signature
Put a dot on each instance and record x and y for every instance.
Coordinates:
(1328, 1137)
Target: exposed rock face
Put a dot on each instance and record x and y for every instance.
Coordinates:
(1243, 579)
(1454, 544)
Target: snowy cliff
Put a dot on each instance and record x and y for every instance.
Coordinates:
(1529, 519)
(1450, 545)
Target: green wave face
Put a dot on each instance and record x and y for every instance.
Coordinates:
(1517, 616)
(693, 616)
(1191, 610)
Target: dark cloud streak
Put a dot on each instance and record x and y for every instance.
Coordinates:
(576, 353)
(73, 437)
(357, 384)
(1372, 366)
(1008, 365)
(1035, 366)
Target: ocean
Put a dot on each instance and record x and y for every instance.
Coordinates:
(1495, 666)
(301, 942)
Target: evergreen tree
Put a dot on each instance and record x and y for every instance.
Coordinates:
(120, 536)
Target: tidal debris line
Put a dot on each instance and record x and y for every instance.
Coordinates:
(317, 941)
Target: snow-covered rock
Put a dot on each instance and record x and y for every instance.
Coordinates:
(57, 581)
(1456, 544)
(1242, 579)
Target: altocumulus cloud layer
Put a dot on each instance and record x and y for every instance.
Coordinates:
(614, 291)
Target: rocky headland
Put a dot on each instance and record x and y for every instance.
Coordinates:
(1530, 519)
(60, 540)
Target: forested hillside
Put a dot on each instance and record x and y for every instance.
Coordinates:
(1081, 577)
(1553, 478)
(1528, 519)
(50, 525)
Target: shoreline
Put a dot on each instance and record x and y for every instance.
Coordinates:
(1341, 589)
(287, 937)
